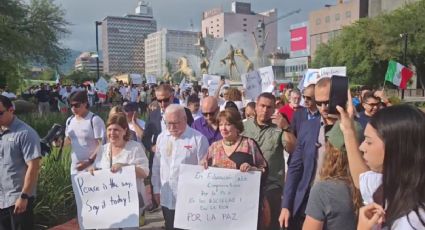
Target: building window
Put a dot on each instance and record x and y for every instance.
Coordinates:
(337, 17)
(327, 19)
(244, 19)
(244, 30)
(318, 21)
(218, 19)
(244, 24)
(348, 14)
(218, 31)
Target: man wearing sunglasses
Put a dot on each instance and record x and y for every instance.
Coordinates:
(85, 131)
(156, 123)
(19, 167)
(306, 160)
(371, 105)
(307, 113)
(208, 124)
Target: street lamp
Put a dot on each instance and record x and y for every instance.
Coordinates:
(97, 23)
(405, 37)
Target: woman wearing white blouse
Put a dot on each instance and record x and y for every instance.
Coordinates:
(120, 151)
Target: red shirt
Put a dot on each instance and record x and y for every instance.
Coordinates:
(287, 111)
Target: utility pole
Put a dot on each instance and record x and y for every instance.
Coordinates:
(405, 37)
(97, 23)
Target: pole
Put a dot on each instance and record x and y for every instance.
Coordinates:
(97, 23)
(405, 36)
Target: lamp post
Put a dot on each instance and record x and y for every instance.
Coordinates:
(97, 23)
(405, 37)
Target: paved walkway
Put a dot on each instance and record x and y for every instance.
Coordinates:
(154, 221)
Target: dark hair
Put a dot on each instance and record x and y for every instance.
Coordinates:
(402, 129)
(193, 99)
(267, 95)
(7, 103)
(232, 116)
(231, 104)
(251, 104)
(79, 96)
(368, 95)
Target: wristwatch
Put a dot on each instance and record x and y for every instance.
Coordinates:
(24, 196)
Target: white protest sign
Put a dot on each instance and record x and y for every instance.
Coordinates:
(136, 79)
(211, 82)
(252, 83)
(102, 85)
(150, 79)
(217, 198)
(107, 200)
(334, 70)
(267, 79)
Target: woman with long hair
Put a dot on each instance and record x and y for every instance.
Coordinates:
(391, 171)
(333, 200)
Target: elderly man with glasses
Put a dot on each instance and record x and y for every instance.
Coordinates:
(307, 113)
(208, 124)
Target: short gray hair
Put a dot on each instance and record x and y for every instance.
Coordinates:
(177, 109)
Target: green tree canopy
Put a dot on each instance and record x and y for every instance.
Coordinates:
(29, 33)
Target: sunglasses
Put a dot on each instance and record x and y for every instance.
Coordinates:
(75, 105)
(165, 100)
(320, 103)
(307, 98)
(209, 114)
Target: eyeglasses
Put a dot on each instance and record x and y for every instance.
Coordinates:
(373, 104)
(76, 105)
(165, 100)
(307, 98)
(320, 103)
(209, 114)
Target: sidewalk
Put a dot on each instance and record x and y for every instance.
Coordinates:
(154, 221)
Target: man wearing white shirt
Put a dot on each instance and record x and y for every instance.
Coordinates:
(178, 144)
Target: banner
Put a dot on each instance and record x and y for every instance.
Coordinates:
(211, 82)
(136, 79)
(267, 79)
(252, 83)
(217, 198)
(102, 85)
(107, 200)
(150, 79)
(334, 70)
(310, 77)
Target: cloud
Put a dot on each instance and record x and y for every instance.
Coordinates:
(171, 14)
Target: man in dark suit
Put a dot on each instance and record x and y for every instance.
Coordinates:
(155, 123)
(308, 112)
(306, 160)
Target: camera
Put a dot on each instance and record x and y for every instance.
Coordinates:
(56, 131)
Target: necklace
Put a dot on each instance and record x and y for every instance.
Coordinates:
(229, 143)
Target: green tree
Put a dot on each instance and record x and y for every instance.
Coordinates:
(29, 33)
(80, 76)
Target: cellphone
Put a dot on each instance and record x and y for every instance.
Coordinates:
(338, 94)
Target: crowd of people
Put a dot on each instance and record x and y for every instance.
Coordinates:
(362, 169)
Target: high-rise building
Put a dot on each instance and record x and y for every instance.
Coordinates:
(86, 61)
(241, 19)
(381, 6)
(123, 40)
(326, 23)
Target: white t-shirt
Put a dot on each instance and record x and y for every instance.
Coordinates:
(369, 183)
(133, 153)
(84, 137)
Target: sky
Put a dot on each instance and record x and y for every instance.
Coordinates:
(171, 14)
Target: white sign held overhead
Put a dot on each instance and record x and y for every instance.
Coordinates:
(211, 82)
(136, 79)
(150, 79)
(107, 200)
(217, 198)
(334, 70)
(252, 83)
(267, 79)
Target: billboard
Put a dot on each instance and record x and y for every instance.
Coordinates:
(300, 40)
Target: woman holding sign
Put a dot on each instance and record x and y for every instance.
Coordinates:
(235, 151)
(120, 151)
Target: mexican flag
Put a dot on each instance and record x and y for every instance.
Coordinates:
(398, 74)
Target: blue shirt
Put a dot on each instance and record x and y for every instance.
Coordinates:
(18, 144)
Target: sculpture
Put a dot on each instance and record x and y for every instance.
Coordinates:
(248, 63)
(205, 63)
(230, 58)
(184, 70)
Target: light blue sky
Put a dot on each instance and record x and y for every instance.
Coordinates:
(171, 14)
